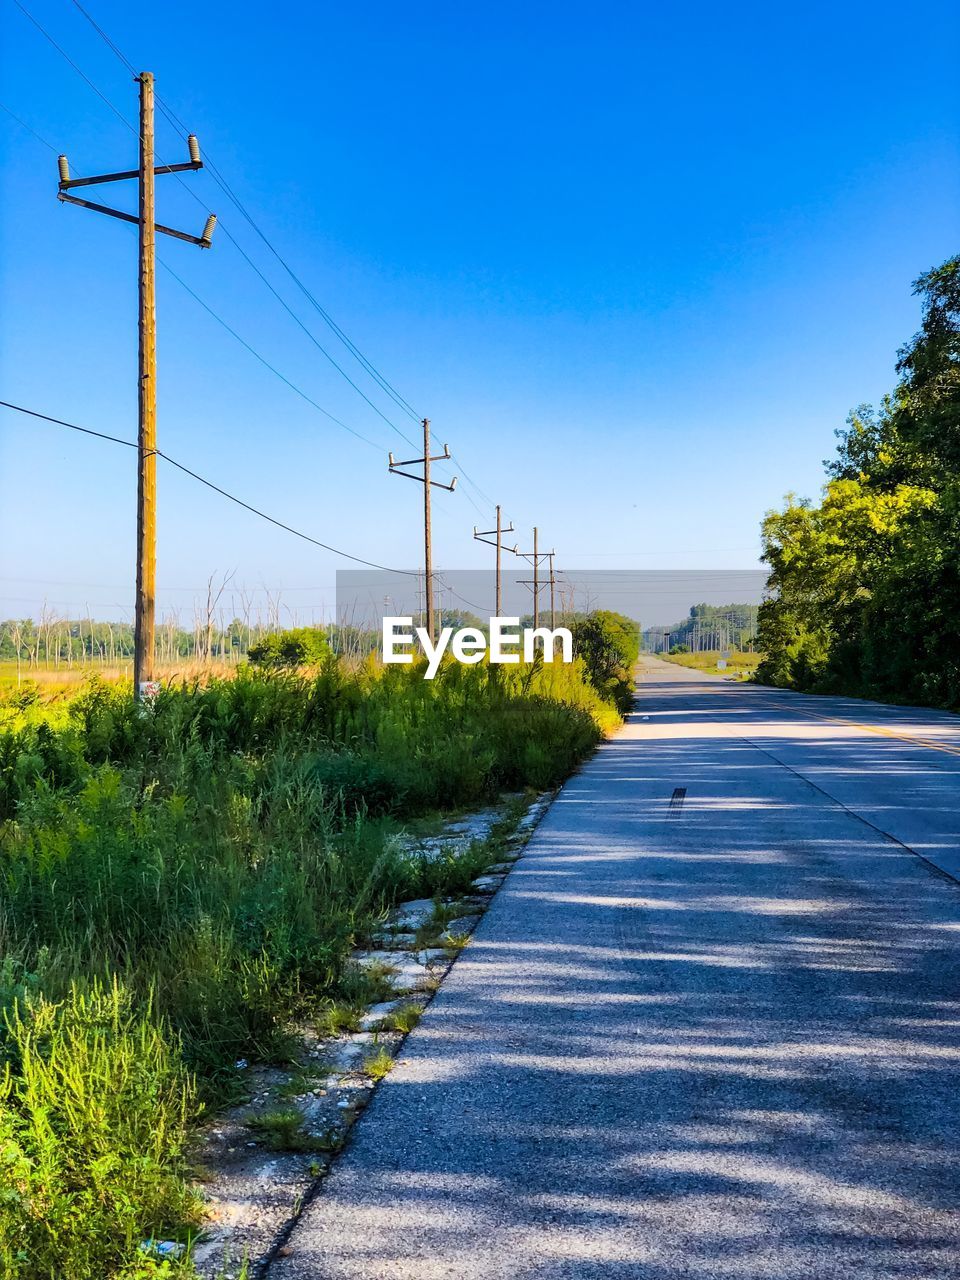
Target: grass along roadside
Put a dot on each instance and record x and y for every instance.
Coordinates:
(256, 1187)
(183, 887)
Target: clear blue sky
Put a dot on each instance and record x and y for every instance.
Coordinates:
(635, 261)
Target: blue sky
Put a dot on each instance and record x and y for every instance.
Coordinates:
(635, 261)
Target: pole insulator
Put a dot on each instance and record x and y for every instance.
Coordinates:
(194, 147)
(208, 231)
(64, 168)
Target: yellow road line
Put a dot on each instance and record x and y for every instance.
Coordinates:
(872, 728)
(855, 724)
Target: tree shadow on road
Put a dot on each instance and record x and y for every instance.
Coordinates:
(711, 1040)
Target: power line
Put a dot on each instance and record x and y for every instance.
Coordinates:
(114, 586)
(279, 523)
(82, 74)
(442, 582)
(222, 321)
(130, 444)
(219, 319)
(384, 384)
(264, 361)
(224, 185)
(459, 465)
(231, 195)
(367, 365)
(106, 39)
(313, 338)
(230, 237)
(23, 124)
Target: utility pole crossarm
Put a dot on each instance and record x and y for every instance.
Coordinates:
(489, 537)
(536, 557)
(436, 484)
(417, 462)
(428, 484)
(67, 183)
(202, 240)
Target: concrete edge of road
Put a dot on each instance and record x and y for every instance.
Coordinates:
(264, 1242)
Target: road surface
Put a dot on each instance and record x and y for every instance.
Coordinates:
(709, 1028)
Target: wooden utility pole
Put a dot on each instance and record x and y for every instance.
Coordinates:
(145, 175)
(497, 534)
(427, 483)
(536, 557)
(553, 585)
(427, 531)
(536, 581)
(145, 616)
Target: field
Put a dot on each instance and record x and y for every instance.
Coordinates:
(180, 882)
(58, 679)
(740, 666)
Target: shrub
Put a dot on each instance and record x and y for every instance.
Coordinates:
(608, 644)
(304, 646)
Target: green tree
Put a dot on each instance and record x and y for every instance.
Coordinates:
(300, 647)
(608, 644)
(865, 588)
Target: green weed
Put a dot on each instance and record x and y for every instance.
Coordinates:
(284, 1129)
(378, 1064)
(337, 1017)
(403, 1019)
(455, 941)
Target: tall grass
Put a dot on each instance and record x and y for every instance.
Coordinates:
(179, 881)
(94, 1106)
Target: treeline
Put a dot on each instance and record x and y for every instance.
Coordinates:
(707, 627)
(865, 585)
(53, 642)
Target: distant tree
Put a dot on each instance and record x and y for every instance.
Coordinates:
(301, 647)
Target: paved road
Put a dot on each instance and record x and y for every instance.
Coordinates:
(715, 1038)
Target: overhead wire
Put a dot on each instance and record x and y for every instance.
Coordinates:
(486, 497)
(263, 360)
(233, 332)
(23, 124)
(82, 74)
(313, 338)
(385, 385)
(180, 466)
(224, 185)
(220, 320)
(194, 196)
